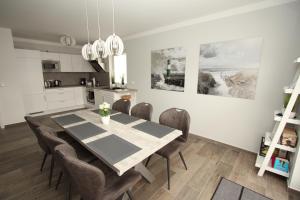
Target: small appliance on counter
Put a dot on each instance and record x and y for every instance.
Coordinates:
(82, 81)
(57, 83)
(52, 83)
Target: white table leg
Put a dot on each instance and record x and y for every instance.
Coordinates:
(145, 172)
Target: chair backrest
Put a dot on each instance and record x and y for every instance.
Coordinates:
(89, 180)
(34, 125)
(178, 119)
(51, 140)
(62, 151)
(122, 105)
(142, 110)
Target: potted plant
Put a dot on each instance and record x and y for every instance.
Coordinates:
(104, 111)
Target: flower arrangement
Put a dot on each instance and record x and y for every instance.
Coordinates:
(104, 109)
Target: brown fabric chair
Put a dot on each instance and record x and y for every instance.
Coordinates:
(178, 119)
(52, 141)
(142, 110)
(92, 182)
(122, 105)
(34, 125)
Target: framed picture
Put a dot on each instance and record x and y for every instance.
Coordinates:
(168, 69)
(230, 68)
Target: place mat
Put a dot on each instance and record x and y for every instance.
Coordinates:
(228, 190)
(154, 129)
(111, 111)
(113, 148)
(67, 119)
(86, 130)
(123, 118)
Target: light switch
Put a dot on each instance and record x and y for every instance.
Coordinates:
(2, 85)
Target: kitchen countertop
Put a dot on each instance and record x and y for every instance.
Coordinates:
(65, 86)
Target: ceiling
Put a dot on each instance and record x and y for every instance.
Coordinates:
(49, 19)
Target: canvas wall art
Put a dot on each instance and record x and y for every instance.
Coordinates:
(230, 68)
(168, 69)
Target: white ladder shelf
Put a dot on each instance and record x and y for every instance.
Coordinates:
(264, 163)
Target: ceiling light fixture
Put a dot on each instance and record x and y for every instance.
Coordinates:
(67, 40)
(114, 44)
(99, 47)
(86, 50)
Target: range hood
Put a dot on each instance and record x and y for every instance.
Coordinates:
(96, 66)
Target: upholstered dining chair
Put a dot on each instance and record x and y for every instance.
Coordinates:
(52, 141)
(142, 110)
(34, 125)
(178, 119)
(122, 105)
(91, 182)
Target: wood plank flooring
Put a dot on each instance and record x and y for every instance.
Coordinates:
(20, 178)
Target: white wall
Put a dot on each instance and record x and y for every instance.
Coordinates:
(237, 122)
(12, 108)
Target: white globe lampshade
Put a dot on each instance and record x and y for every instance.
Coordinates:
(114, 45)
(99, 49)
(87, 52)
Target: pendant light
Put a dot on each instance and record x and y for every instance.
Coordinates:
(99, 47)
(114, 44)
(86, 50)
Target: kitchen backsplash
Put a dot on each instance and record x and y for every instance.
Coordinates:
(73, 78)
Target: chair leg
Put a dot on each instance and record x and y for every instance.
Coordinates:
(51, 170)
(68, 191)
(129, 193)
(58, 180)
(168, 172)
(44, 160)
(182, 159)
(148, 160)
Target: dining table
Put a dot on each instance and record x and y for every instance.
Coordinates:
(122, 144)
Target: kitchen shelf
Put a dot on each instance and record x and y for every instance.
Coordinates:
(259, 161)
(277, 118)
(268, 140)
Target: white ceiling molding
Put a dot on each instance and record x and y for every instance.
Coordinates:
(211, 17)
(41, 42)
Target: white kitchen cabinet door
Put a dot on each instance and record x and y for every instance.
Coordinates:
(50, 56)
(79, 95)
(31, 81)
(65, 63)
(77, 63)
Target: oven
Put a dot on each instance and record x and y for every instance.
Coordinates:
(90, 95)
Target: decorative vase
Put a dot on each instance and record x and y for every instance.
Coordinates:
(105, 119)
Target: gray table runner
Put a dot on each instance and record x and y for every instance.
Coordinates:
(68, 119)
(113, 148)
(154, 129)
(84, 131)
(123, 118)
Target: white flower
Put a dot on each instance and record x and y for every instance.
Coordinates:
(101, 106)
(106, 105)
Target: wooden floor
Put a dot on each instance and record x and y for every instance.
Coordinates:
(20, 178)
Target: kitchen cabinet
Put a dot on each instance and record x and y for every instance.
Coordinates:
(80, 65)
(31, 81)
(65, 97)
(49, 56)
(65, 63)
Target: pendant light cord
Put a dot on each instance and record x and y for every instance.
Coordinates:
(98, 14)
(87, 20)
(113, 10)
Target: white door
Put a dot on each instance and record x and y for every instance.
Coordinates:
(50, 56)
(65, 63)
(79, 95)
